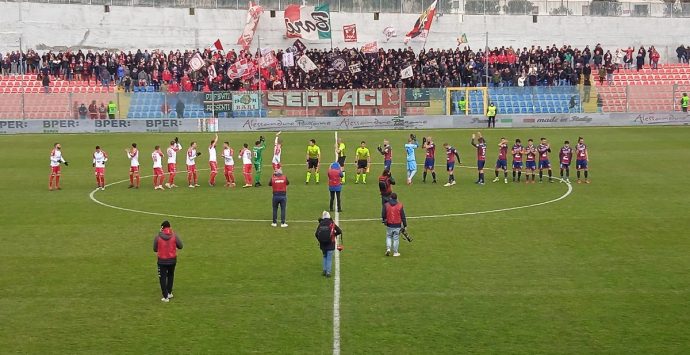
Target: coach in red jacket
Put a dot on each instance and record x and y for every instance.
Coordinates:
(165, 245)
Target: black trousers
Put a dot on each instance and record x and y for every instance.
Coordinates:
(492, 120)
(333, 195)
(279, 200)
(166, 276)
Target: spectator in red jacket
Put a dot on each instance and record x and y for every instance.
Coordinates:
(165, 245)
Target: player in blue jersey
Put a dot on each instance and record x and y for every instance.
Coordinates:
(481, 155)
(411, 160)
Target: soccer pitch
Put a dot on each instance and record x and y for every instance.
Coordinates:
(589, 268)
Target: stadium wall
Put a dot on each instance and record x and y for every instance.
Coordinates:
(58, 27)
(340, 123)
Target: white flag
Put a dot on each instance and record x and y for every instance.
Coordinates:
(196, 62)
(306, 64)
(211, 71)
(288, 59)
(407, 72)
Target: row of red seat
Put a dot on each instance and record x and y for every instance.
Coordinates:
(59, 90)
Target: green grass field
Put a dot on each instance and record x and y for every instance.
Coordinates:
(604, 270)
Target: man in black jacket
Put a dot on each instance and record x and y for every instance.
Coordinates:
(327, 233)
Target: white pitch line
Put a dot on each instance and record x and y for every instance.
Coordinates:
(336, 285)
(94, 199)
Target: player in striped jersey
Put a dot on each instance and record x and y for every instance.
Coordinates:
(100, 157)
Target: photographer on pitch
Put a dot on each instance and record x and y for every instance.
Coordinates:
(393, 216)
(165, 245)
(327, 234)
(385, 182)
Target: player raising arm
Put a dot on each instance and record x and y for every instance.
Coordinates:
(229, 165)
(481, 155)
(133, 155)
(158, 176)
(502, 161)
(313, 158)
(100, 157)
(192, 177)
(55, 160)
(430, 159)
(174, 147)
(387, 152)
(411, 159)
(566, 157)
(277, 151)
(257, 154)
(363, 160)
(517, 159)
(213, 161)
(451, 157)
(582, 160)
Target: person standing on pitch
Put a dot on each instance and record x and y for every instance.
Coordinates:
(165, 245)
(387, 152)
(362, 162)
(340, 151)
(481, 156)
(335, 185)
(385, 185)
(411, 159)
(313, 158)
(213, 161)
(327, 233)
(257, 154)
(277, 151)
(393, 216)
(100, 157)
(133, 156)
(279, 183)
(55, 160)
(491, 115)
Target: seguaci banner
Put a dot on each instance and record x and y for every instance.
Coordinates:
(342, 123)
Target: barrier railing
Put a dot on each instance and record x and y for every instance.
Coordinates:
(393, 102)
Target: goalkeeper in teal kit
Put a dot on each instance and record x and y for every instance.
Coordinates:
(257, 153)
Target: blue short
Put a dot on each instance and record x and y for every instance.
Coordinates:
(428, 163)
(565, 166)
(517, 165)
(450, 166)
(581, 164)
(501, 164)
(387, 164)
(411, 165)
(531, 165)
(544, 164)
(480, 164)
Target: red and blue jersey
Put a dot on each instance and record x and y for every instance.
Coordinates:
(566, 155)
(430, 150)
(581, 149)
(543, 150)
(387, 153)
(517, 153)
(502, 151)
(450, 154)
(481, 151)
(531, 153)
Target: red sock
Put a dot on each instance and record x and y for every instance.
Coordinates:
(213, 178)
(172, 179)
(137, 180)
(131, 179)
(57, 180)
(189, 178)
(50, 184)
(232, 178)
(196, 178)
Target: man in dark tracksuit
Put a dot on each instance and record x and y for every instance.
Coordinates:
(327, 248)
(165, 245)
(279, 183)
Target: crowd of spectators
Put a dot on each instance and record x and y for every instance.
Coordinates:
(433, 68)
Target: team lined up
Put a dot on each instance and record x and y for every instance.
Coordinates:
(533, 157)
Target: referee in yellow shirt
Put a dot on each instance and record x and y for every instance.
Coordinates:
(363, 160)
(313, 157)
(340, 149)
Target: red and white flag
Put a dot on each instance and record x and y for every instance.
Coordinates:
(250, 25)
(350, 33)
(241, 69)
(216, 46)
(267, 60)
(196, 62)
(423, 24)
(371, 47)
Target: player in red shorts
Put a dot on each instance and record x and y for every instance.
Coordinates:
(229, 165)
(55, 160)
(277, 151)
(133, 155)
(100, 157)
(158, 176)
(174, 147)
(246, 156)
(213, 161)
(192, 177)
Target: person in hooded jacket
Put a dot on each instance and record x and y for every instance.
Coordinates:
(335, 175)
(165, 245)
(327, 243)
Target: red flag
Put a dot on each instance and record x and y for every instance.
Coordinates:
(216, 46)
(350, 33)
(251, 23)
(423, 23)
(371, 47)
